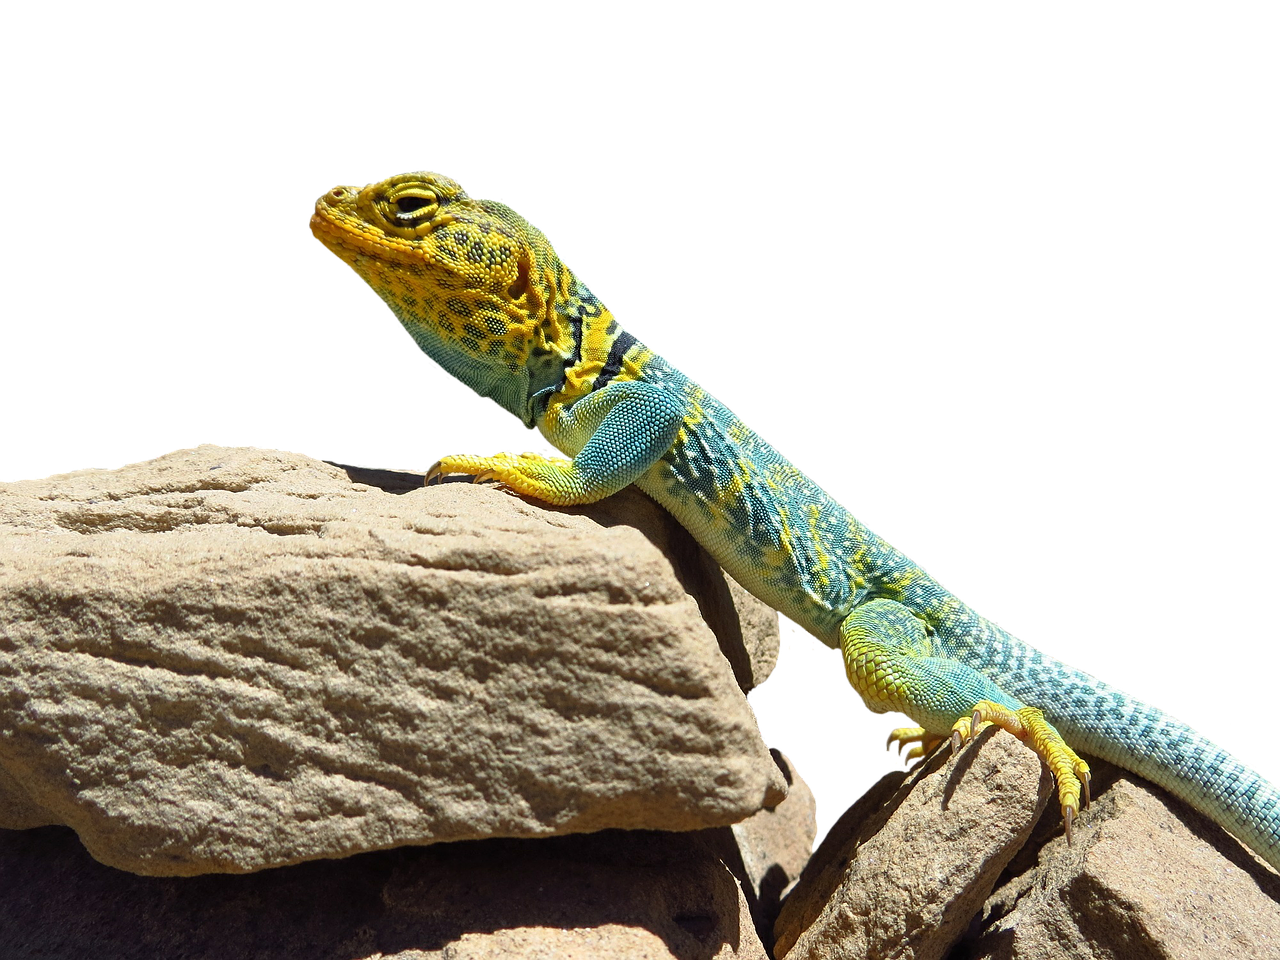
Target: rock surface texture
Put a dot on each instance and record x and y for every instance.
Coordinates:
(227, 660)
(908, 866)
(905, 872)
(615, 894)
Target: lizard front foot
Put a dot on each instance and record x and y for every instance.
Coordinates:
(530, 474)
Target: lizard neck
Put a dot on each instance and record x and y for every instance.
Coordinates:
(593, 351)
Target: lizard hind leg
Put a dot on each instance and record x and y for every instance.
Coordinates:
(889, 658)
(892, 661)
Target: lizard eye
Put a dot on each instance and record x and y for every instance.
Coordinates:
(412, 205)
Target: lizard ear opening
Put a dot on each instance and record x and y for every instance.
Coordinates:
(520, 286)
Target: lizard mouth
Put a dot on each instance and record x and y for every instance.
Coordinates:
(342, 225)
(348, 236)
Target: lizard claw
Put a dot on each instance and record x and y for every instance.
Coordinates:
(910, 743)
(965, 729)
(438, 470)
(922, 741)
(1029, 725)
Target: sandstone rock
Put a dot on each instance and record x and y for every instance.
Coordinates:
(777, 841)
(614, 894)
(902, 873)
(768, 851)
(1145, 876)
(230, 659)
(608, 894)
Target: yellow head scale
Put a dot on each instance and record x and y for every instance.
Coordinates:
(471, 280)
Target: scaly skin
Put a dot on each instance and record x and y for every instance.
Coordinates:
(484, 294)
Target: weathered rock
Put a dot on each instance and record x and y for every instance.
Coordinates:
(768, 851)
(229, 659)
(608, 894)
(614, 894)
(902, 873)
(1145, 876)
(777, 842)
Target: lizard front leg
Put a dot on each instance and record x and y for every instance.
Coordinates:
(889, 659)
(619, 431)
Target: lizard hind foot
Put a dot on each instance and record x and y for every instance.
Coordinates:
(922, 741)
(1029, 725)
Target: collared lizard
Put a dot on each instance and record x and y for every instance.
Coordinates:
(483, 293)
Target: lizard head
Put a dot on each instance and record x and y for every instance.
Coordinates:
(471, 280)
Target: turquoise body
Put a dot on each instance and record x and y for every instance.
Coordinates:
(483, 293)
(786, 540)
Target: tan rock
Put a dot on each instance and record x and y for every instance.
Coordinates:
(768, 851)
(229, 659)
(1145, 876)
(902, 873)
(639, 896)
(776, 842)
